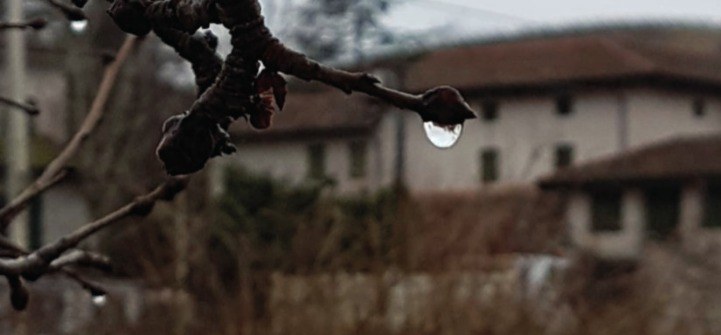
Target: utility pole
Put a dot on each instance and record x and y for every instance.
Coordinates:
(17, 160)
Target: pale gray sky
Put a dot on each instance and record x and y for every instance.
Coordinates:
(485, 15)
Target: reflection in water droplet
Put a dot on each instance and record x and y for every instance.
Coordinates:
(443, 136)
(100, 300)
(78, 26)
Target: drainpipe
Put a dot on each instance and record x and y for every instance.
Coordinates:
(17, 158)
(400, 155)
(622, 101)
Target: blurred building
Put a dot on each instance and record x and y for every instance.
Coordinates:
(546, 100)
(65, 64)
(61, 208)
(665, 191)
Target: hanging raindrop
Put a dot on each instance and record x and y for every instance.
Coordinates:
(443, 136)
(100, 300)
(78, 27)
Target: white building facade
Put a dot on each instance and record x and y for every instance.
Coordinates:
(536, 113)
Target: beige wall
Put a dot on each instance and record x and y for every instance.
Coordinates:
(525, 134)
(64, 209)
(623, 244)
(529, 129)
(658, 115)
(289, 161)
(695, 238)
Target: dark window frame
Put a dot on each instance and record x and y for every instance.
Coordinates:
(606, 211)
(564, 155)
(564, 105)
(490, 165)
(490, 110)
(358, 159)
(712, 207)
(317, 161)
(698, 106)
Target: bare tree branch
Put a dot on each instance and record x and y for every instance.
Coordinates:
(27, 108)
(193, 137)
(227, 91)
(12, 250)
(93, 288)
(54, 171)
(72, 13)
(36, 24)
(38, 263)
(82, 258)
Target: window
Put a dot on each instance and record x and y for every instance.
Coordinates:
(358, 159)
(564, 155)
(606, 211)
(490, 110)
(564, 105)
(663, 208)
(316, 161)
(489, 165)
(699, 107)
(712, 207)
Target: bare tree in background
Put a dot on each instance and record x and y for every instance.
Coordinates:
(327, 29)
(228, 89)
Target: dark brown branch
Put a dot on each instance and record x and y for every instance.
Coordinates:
(27, 108)
(93, 288)
(72, 13)
(199, 50)
(36, 24)
(192, 138)
(101, 262)
(55, 170)
(38, 263)
(10, 246)
(82, 258)
(19, 295)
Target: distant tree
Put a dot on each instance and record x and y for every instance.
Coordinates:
(327, 29)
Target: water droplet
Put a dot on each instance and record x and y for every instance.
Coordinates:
(443, 136)
(78, 26)
(100, 300)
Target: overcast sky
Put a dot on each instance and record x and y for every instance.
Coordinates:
(486, 15)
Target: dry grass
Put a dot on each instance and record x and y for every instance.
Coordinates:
(455, 229)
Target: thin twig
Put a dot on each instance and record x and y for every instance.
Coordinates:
(72, 13)
(52, 172)
(94, 288)
(36, 24)
(38, 263)
(192, 138)
(12, 250)
(82, 258)
(27, 108)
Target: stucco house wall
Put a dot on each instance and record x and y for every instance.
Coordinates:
(623, 244)
(674, 181)
(289, 161)
(695, 238)
(661, 114)
(528, 129)
(632, 87)
(525, 134)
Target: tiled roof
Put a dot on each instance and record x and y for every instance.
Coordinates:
(678, 52)
(653, 53)
(676, 159)
(317, 113)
